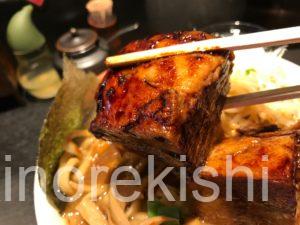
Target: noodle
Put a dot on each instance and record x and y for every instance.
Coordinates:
(118, 214)
(83, 152)
(90, 212)
(64, 176)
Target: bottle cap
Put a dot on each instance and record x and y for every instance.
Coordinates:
(100, 13)
(22, 35)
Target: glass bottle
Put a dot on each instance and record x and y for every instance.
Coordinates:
(37, 75)
(35, 72)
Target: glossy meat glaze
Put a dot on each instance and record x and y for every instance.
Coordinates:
(167, 105)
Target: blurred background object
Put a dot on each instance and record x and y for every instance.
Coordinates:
(231, 28)
(81, 46)
(237, 28)
(178, 14)
(35, 71)
(87, 49)
(9, 93)
(273, 13)
(159, 15)
(101, 13)
(103, 20)
(168, 15)
(52, 19)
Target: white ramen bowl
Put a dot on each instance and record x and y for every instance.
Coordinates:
(46, 214)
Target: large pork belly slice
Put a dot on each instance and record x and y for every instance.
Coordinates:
(167, 106)
(281, 149)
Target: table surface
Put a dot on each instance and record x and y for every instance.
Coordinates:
(19, 138)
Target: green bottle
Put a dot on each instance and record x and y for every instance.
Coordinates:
(36, 73)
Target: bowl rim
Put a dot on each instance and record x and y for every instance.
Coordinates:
(45, 213)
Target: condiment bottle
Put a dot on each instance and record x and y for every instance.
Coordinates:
(103, 21)
(100, 14)
(83, 48)
(35, 72)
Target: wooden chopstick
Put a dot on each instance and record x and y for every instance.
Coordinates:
(254, 40)
(261, 97)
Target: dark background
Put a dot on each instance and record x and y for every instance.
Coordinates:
(57, 16)
(19, 126)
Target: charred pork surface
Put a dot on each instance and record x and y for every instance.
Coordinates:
(167, 106)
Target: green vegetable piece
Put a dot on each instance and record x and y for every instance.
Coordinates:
(169, 211)
(22, 35)
(155, 208)
(249, 71)
(152, 208)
